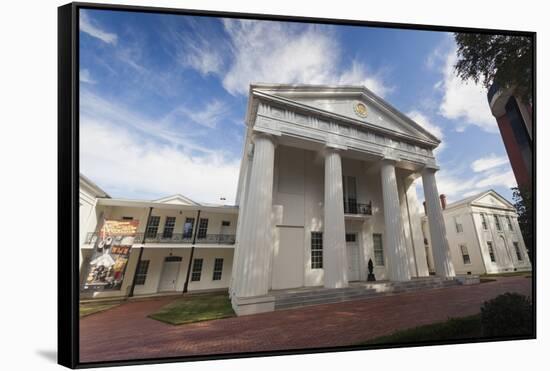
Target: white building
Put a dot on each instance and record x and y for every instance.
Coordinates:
(167, 242)
(484, 235)
(327, 183)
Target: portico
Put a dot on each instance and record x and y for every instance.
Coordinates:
(327, 183)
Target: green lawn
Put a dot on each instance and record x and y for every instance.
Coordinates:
(91, 308)
(452, 329)
(195, 308)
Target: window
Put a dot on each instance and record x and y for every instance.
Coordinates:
(169, 227)
(491, 251)
(518, 251)
(203, 227)
(465, 255)
(316, 250)
(378, 249)
(127, 218)
(225, 223)
(484, 221)
(497, 223)
(509, 220)
(197, 269)
(350, 237)
(141, 272)
(350, 194)
(152, 227)
(218, 268)
(188, 227)
(458, 225)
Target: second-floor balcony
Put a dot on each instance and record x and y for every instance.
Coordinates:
(356, 208)
(176, 238)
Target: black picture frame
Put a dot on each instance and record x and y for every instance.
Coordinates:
(68, 174)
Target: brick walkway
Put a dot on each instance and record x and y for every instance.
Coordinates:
(125, 333)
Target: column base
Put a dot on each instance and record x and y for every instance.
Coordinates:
(253, 304)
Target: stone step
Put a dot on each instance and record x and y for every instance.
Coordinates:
(326, 300)
(318, 296)
(325, 296)
(326, 292)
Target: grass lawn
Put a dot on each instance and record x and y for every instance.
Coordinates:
(452, 329)
(195, 308)
(505, 274)
(91, 308)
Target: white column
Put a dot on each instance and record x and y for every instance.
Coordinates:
(242, 205)
(334, 236)
(396, 248)
(417, 236)
(252, 275)
(407, 229)
(438, 234)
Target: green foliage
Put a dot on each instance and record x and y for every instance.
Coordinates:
(524, 207)
(453, 329)
(505, 60)
(508, 314)
(195, 308)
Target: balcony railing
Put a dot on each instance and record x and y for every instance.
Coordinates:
(223, 239)
(354, 207)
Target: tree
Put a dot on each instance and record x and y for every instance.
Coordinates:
(501, 59)
(524, 207)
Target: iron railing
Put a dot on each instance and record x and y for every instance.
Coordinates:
(223, 239)
(354, 207)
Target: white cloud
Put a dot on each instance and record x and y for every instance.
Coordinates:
(358, 74)
(118, 159)
(86, 77)
(201, 55)
(488, 162)
(127, 152)
(464, 102)
(88, 26)
(426, 123)
(210, 115)
(495, 179)
(93, 107)
(456, 185)
(275, 52)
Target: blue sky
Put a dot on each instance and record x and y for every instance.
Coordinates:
(163, 98)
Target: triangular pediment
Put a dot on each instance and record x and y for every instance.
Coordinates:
(492, 199)
(177, 200)
(352, 102)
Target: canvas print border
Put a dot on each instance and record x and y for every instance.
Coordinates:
(68, 175)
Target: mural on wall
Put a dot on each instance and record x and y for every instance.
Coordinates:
(112, 248)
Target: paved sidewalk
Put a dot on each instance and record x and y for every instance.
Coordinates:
(125, 332)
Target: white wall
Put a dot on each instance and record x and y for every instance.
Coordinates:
(506, 259)
(467, 237)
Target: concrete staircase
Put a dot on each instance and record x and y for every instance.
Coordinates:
(296, 298)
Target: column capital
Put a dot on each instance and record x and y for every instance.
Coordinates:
(262, 135)
(429, 169)
(335, 147)
(389, 159)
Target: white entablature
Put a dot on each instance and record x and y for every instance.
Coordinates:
(350, 118)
